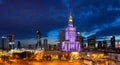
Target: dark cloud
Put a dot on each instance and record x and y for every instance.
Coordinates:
(24, 17)
(109, 31)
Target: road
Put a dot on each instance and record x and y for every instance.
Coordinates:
(44, 63)
(25, 62)
(56, 63)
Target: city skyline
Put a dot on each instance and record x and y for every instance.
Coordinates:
(24, 17)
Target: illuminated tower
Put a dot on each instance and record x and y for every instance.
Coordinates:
(39, 45)
(11, 41)
(3, 42)
(70, 43)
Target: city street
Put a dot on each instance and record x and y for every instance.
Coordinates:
(46, 63)
(56, 62)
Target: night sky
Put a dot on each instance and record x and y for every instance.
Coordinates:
(91, 17)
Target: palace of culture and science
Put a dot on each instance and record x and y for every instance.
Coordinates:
(70, 43)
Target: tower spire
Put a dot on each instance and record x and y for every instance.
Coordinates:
(70, 18)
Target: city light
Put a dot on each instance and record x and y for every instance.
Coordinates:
(59, 32)
(75, 53)
(88, 55)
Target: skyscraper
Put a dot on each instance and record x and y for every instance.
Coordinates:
(46, 44)
(91, 42)
(39, 45)
(112, 42)
(80, 39)
(11, 41)
(3, 42)
(61, 38)
(70, 43)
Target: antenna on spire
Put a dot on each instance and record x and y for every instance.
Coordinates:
(70, 18)
(70, 11)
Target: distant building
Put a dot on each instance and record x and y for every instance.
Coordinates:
(117, 45)
(52, 47)
(70, 43)
(115, 58)
(39, 44)
(91, 42)
(58, 46)
(46, 44)
(19, 45)
(80, 39)
(11, 41)
(104, 44)
(29, 46)
(3, 42)
(86, 45)
(99, 45)
(112, 39)
(61, 38)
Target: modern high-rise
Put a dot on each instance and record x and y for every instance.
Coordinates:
(112, 42)
(70, 43)
(61, 37)
(39, 45)
(45, 44)
(11, 41)
(3, 42)
(91, 42)
(80, 39)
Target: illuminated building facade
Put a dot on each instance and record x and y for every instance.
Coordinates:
(11, 41)
(70, 43)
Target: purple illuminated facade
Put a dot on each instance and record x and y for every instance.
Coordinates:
(70, 43)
